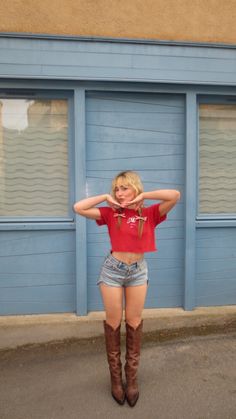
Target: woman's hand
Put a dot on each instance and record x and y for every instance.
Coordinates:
(112, 202)
(138, 202)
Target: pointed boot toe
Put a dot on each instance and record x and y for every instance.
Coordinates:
(132, 398)
(119, 396)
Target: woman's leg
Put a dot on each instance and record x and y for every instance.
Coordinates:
(135, 299)
(113, 304)
(113, 300)
(134, 302)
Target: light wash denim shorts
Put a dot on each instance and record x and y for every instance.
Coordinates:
(115, 273)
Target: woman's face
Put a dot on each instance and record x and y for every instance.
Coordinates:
(124, 192)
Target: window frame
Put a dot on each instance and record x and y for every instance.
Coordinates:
(211, 219)
(43, 222)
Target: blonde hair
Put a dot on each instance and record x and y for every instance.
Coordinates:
(132, 179)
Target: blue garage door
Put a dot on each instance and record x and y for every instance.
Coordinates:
(146, 133)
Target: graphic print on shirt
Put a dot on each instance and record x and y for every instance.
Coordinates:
(132, 220)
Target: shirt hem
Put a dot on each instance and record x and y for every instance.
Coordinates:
(133, 250)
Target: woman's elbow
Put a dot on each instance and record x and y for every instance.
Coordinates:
(177, 195)
(76, 208)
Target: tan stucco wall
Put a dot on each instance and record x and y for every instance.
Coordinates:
(180, 20)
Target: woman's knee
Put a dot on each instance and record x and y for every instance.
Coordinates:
(133, 321)
(113, 321)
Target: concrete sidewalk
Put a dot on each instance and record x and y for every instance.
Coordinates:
(159, 324)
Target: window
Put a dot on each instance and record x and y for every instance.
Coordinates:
(217, 159)
(34, 158)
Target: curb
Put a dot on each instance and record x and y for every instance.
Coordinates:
(159, 325)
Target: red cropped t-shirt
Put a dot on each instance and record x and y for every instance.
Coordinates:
(125, 238)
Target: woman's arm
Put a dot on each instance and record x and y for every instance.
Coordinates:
(168, 198)
(87, 206)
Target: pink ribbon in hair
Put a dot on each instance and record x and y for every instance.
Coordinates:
(141, 218)
(119, 215)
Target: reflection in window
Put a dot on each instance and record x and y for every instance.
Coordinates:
(217, 171)
(33, 158)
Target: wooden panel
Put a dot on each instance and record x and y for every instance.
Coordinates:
(52, 58)
(37, 272)
(190, 206)
(143, 132)
(80, 185)
(216, 266)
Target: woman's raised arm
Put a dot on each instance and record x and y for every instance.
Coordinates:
(168, 198)
(87, 207)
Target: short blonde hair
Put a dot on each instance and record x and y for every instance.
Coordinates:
(129, 178)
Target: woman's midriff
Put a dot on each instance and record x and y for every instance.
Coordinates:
(127, 257)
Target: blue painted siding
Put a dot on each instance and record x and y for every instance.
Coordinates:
(37, 272)
(216, 266)
(51, 58)
(190, 202)
(146, 133)
(140, 131)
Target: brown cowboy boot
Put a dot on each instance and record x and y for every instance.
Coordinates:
(112, 338)
(133, 345)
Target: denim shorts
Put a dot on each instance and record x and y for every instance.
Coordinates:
(115, 273)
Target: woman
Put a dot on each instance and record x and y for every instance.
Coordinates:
(131, 228)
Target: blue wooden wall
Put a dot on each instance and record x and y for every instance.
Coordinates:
(146, 133)
(143, 104)
(216, 266)
(37, 272)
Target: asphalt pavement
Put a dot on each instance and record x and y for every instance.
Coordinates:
(191, 377)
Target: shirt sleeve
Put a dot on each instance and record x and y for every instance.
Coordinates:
(155, 211)
(105, 213)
